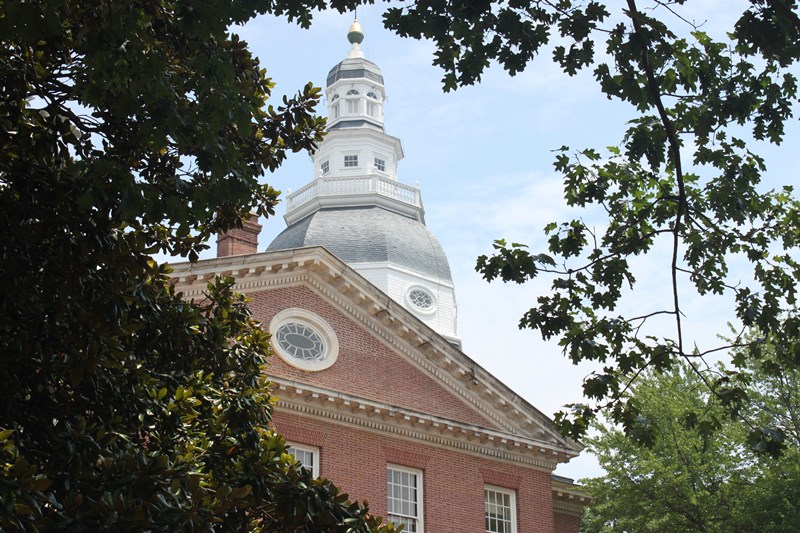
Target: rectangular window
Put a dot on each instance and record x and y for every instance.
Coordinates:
(352, 107)
(404, 491)
(335, 111)
(501, 511)
(325, 167)
(380, 164)
(308, 456)
(372, 110)
(350, 161)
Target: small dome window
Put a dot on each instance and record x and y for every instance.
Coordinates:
(352, 92)
(372, 95)
(335, 97)
(421, 299)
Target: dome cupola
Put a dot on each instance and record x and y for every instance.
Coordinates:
(357, 209)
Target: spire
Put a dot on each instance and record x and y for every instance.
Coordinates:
(355, 35)
(357, 208)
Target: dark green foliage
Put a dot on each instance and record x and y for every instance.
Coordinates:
(129, 128)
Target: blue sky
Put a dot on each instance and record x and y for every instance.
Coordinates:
(483, 159)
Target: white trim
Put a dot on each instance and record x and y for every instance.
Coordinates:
(350, 163)
(428, 292)
(388, 321)
(313, 450)
(419, 500)
(316, 324)
(512, 504)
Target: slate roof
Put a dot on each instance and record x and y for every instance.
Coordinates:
(368, 235)
(352, 68)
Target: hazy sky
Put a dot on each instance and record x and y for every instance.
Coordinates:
(483, 159)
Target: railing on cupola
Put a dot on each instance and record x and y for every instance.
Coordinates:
(354, 191)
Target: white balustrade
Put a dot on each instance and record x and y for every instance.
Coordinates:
(354, 186)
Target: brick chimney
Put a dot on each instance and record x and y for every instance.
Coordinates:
(240, 241)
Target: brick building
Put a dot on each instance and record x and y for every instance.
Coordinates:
(375, 392)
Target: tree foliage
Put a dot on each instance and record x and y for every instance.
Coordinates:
(129, 128)
(685, 183)
(700, 473)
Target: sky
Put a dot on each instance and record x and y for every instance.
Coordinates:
(483, 159)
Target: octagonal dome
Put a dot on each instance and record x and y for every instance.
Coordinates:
(359, 235)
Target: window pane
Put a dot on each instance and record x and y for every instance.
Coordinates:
(403, 505)
(307, 457)
(499, 511)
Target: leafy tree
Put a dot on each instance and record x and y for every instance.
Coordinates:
(699, 474)
(129, 128)
(685, 178)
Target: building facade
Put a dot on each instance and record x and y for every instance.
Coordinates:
(375, 391)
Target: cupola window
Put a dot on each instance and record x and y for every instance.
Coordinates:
(352, 103)
(372, 95)
(380, 164)
(325, 167)
(350, 161)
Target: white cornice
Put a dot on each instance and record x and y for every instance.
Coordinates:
(403, 423)
(387, 320)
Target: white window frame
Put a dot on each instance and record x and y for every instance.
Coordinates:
(420, 499)
(325, 167)
(351, 161)
(421, 310)
(315, 323)
(378, 162)
(513, 506)
(313, 450)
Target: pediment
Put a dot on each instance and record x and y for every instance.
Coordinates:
(456, 391)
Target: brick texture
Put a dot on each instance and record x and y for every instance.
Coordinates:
(357, 459)
(566, 523)
(452, 481)
(240, 241)
(366, 367)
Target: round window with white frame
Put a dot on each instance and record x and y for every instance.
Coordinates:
(303, 339)
(421, 299)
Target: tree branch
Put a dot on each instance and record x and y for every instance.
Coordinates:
(655, 94)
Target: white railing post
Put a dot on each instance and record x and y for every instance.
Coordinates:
(360, 186)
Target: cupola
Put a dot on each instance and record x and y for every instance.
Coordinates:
(357, 209)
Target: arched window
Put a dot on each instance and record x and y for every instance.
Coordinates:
(372, 95)
(335, 97)
(352, 92)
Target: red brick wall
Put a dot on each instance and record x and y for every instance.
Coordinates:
(366, 367)
(565, 523)
(452, 481)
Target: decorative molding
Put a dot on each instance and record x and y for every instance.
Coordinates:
(397, 422)
(572, 509)
(569, 498)
(388, 321)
